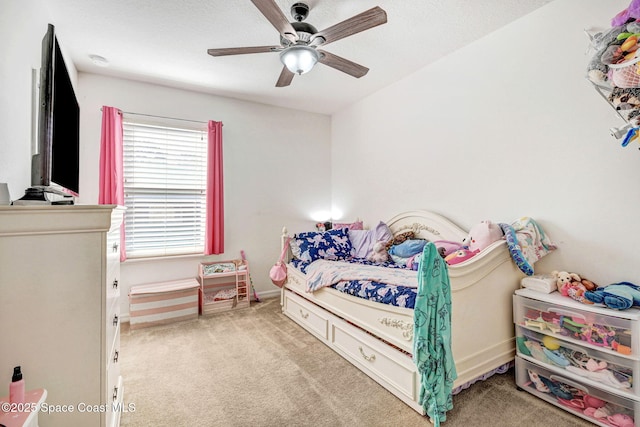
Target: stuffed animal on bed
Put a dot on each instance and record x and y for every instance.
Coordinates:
(573, 286)
(482, 235)
(379, 254)
(459, 256)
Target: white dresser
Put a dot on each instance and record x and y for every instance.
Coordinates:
(60, 310)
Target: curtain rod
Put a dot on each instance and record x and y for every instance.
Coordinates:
(162, 117)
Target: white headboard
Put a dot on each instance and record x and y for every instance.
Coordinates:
(427, 225)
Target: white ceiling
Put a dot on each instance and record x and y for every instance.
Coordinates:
(165, 42)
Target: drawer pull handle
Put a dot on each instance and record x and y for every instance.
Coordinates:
(115, 320)
(115, 356)
(304, 315)
(115, 284)
(115, 247)
(367, 358)
(115, 393)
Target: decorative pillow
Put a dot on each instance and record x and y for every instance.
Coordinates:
(408, 248)
(357, 225)
(330, 245)
(396, 240)
(448, 246)
(363, 240)
(295, 249)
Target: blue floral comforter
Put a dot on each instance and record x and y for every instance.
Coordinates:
(400, 296)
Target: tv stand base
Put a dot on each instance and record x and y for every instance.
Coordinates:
(44, 196)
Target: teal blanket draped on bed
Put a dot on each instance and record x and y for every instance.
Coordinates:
(432, 335)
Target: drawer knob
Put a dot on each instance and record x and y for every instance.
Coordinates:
(367, 358)
(115, 356)
(115, 247)
(304, 315)
(115, 320)
(115, 284)
(115, 393)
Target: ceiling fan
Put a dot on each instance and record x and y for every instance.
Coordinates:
(299, 41)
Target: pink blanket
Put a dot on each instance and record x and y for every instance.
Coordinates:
(323, 273)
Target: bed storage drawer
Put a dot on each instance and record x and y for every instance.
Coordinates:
(313, 319)
(610, 372)
(392, 367)
(586, 325)
(591, 403)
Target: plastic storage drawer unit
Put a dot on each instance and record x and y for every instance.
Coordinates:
(610, 372)
(591, 403)
(586, 325)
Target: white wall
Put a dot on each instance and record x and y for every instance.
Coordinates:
(22, 26)
(266, 186)
(506, 127)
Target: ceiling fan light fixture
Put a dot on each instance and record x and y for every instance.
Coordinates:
(299, 59)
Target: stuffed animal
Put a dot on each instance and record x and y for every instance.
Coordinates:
(482, 235)
(379, 254)
(630, 13)
(573, 286)
(459, 256)
(618, 296)
(597, 70)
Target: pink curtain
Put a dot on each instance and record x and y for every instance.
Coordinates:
(111, 190)
(214, 235)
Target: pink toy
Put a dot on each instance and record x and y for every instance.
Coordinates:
(621, 420)
(482, 235)
(459, 256)
(631, 12)
(593, 402)
(573, 286)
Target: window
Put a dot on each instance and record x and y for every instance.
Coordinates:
(165, 177)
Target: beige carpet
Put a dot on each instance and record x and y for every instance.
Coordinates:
(255, 367)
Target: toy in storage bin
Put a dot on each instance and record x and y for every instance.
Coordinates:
(224, 285)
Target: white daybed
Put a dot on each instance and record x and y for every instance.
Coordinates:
(377, 338)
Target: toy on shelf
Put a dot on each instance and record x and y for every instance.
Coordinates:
(573, 286)
(575, 327)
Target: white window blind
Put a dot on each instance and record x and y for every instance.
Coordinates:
(165, 172)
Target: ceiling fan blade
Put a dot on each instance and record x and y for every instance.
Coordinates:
(363, 21)
(274, 14)
(341, 64)
(242, 50)
(285, 78)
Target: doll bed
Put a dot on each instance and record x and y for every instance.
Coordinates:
(378, 338)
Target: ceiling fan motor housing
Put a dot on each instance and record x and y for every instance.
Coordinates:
(299, 11)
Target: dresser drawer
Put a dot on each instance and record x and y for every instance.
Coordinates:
(593, 367)
(311, 317)
(112, 326)
(113, 246)
(392, 367)
(113, 285)
(585, 325)
(114, 402)
(591, 403)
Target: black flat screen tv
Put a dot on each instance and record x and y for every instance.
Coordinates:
(55, 167)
